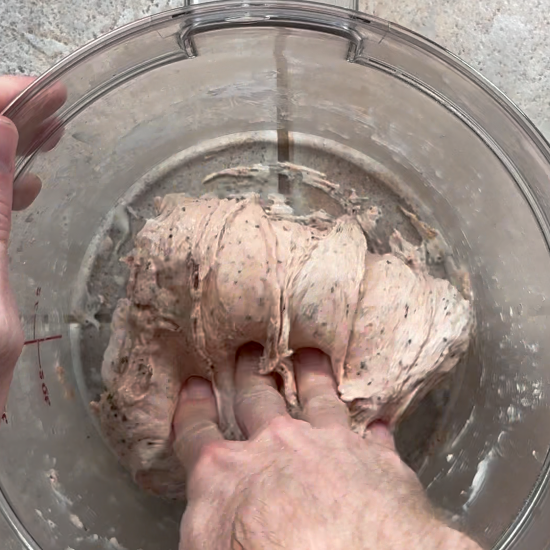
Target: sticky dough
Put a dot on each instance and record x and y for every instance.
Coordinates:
(209, 275)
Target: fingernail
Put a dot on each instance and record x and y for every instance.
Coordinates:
(198, 388)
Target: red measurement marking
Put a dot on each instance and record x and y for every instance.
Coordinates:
(39, 340)
(5, 418)
(45, 391)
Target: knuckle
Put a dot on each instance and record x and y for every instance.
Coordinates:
(256, 394)
(280, 425)
(323, 402)
(215, 450)
(192, 444)
(192, 428)
(213, 455)
(257, 400)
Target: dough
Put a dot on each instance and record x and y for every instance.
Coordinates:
(209, 275)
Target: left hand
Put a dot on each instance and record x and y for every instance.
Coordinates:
(14, 140)
(11, 334)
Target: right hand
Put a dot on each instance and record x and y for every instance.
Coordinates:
(300, 484)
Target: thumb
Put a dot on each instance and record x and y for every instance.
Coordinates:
(8, 147)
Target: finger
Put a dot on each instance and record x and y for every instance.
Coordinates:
(257, 400)
(379, 433)
(35, 120)
(195, 422)
(11, 87)
(25, 191)
(39, 109)
(50, 126)
(8, 146)
(317, 390)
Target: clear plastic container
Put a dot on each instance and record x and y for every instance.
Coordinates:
(171, 98)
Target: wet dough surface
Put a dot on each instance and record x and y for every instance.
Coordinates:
(209, 275)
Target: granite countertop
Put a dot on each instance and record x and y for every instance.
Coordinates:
(508, 41)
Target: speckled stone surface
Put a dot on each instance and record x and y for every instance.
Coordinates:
(35, 34)
(508, 41)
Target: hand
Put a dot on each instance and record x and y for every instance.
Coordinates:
(11, 334)
(300, 484)
(33, 126)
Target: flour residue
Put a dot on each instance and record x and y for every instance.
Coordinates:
(76, 521)
(479, 479)
(57, 489)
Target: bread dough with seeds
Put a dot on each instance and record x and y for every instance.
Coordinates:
(209, 275)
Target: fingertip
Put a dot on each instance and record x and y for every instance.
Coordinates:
(312, 359)
(42, 137)
(197, 388)
(52, 142)
(7, 122)
(193, 389)
(250, 352)
(317, 390)
(195, 422)
(195, 400)
(25, 191)
(247, 368)
(247, 362)
(61, 92)
(313, 368)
